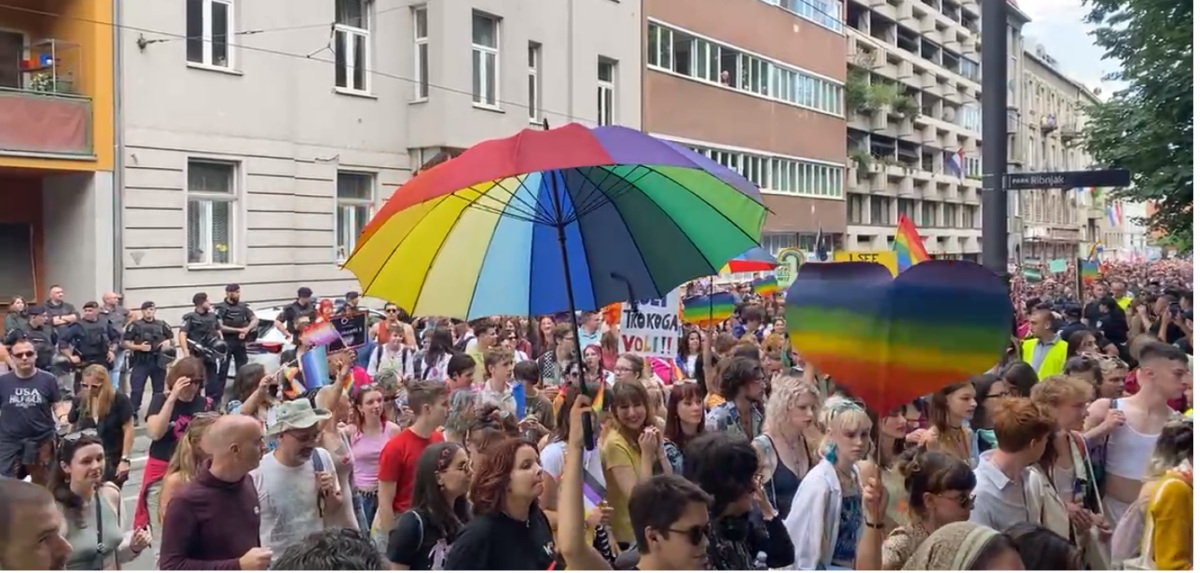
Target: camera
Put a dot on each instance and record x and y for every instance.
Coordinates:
(212, 349)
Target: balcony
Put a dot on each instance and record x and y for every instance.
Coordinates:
(1048, 123)
(1069, 131)
(45, 123)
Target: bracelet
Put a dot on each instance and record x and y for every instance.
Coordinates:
(873, 525)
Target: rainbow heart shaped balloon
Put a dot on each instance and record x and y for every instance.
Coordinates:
(889, 340)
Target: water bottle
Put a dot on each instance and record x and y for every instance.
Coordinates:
(760, 561)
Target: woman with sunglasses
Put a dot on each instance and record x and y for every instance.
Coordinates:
(937, 491)
(110, 413)
(511, 342)
(424, 534)
(91, 507)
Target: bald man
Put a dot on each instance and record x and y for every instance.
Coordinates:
(30, 528)
(212, 523)
(118, 316)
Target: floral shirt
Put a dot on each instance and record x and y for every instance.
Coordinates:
(724, 417)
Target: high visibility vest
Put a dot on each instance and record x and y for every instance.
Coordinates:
(1124, 301)
(1053, 363)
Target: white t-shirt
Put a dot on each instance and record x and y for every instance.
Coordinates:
(287, 498)
(554, 461)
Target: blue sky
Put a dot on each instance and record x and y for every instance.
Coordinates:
(1058, 25)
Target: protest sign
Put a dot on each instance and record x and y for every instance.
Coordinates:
(652, 329)
(885, 258)
(352, 329)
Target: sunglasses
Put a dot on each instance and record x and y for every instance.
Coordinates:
(22, 355)
(695, 534)
(390, 310)
(76, 436)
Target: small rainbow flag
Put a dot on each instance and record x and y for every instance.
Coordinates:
(320, 334)
(766, 286)
(1089, 271)
(910, 250)
(598, 399)
(292, 388)
(706, 309)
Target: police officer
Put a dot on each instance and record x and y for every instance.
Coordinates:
(38, 331)
(91, 340)
(201, 326)
(237, 322)
(303, 306)
(145, 339)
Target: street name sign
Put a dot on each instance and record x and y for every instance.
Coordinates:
(1067, 179)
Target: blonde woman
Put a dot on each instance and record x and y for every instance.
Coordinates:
(186, 460)
(782, 448)
(825, 534)
(1069, 503)
(1156, 532)
(110, 413)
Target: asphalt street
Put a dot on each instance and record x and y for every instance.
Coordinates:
(129, 495)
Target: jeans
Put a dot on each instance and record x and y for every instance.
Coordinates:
(114, 375)
(366, 504)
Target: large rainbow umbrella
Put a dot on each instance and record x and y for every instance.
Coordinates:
(492, 231)
(755, 259)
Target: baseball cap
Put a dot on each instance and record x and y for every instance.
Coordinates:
(232, 287)
(296, 415)
(91, 304)
(147, 305)
(35, 310)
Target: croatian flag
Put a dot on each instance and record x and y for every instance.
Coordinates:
(955, 163)
(1114, 214)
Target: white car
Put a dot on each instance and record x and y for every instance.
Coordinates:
(271, 342)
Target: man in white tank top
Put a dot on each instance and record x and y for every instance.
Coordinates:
(1133, 425)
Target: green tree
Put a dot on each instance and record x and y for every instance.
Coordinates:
(1147, 127)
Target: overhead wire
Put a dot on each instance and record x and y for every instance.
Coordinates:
(281, 53)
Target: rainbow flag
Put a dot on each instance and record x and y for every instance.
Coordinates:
(598, 400)
(292, 388)
(910, 250)
(1089, 271)
(766, 286)
(705, 309)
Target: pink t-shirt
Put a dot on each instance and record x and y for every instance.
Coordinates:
(367, 450)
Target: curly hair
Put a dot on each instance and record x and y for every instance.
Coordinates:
(488, 425)
(736, 372)
(490, 481)
(722, 466)
(1018, 422)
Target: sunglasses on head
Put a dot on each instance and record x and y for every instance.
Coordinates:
(76, 436)
(695, 534)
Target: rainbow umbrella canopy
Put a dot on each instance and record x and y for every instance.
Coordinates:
(755, 259)
(492, 231)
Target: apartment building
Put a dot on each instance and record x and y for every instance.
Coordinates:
(914, 125)
(1057, 223)
(757, 85)
(260, 136)
(56, 148)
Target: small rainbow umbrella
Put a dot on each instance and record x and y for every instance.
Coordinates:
(495, 230)
(756, 259)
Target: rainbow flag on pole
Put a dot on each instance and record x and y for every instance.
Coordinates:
(705, 309)
(766, 286)
(909, 247)
(1089, 271)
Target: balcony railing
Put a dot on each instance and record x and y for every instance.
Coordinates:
(45, 123)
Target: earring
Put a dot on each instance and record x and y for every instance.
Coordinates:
(831, 454)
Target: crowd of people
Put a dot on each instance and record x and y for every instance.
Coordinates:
(531, 443)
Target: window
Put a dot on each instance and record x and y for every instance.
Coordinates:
(211, 204)
(929, 214)
(606, 90)
(535, 93)
(421, 52)
(351, 37)
(718, 64)
(485, 52)
(781, 174)
(970, 117)
(209, 27)
(355, 204)
(827, 13)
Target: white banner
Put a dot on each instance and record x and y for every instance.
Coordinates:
(652, 329)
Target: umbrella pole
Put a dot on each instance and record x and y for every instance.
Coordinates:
(589, 440)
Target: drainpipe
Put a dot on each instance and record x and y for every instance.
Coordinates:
(571, 61)
(118, 178)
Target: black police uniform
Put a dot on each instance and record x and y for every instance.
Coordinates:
(234, 315)
(294, 311)
(44, 339)
(203, 329)
(146, 364)
(92, 340)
